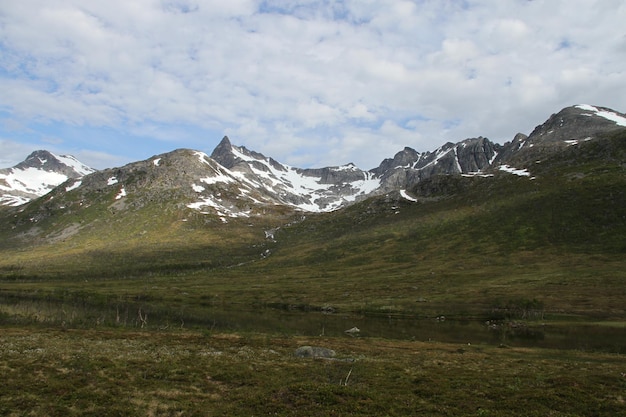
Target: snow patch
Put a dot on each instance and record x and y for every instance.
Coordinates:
(404, 195)
(197, 188)
(609, 115)
(515, 171)
(348, 167)
(73, 163)
(112, 181)
(31, 180)
(204, 158)
(215, 203)
(218, 178)
(13, 200)
(440, 154)
(476, 174)
(156, 162)
(587, 107)
(576, 142)
(121, 194)
(74, 186)
(456, 161)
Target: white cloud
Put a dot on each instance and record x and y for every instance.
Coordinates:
(292, 80)
(13, 152)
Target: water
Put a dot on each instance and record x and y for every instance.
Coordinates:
(586, 337)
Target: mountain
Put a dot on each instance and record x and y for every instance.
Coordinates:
(409, 167)
(234, 182)
(569, 127)
(39, 173)
(322, 189)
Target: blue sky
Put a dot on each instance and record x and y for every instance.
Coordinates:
(310, 83)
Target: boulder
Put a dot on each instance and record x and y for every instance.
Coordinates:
(314, 352)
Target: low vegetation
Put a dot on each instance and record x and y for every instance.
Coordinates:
(85, 372)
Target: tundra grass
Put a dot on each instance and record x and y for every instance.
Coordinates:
(86, 372)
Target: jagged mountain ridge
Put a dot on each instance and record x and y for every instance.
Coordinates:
(37, 175)
(322, 189)
(237, 182)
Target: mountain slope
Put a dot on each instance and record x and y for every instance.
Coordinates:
(464, 245)
(180, 186)
(39, 173)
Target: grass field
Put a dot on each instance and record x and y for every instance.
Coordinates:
(87, 372)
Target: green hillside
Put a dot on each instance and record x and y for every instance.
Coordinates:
(472, 244)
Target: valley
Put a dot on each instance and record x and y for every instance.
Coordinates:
(489, 292)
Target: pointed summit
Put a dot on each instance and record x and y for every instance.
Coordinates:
(38, 158)
(224, 142)
(223, 153)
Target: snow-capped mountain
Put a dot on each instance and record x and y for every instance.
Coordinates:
(39, 173)
(236, 182)
(322, 189)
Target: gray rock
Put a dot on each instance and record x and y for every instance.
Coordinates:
(314, 352)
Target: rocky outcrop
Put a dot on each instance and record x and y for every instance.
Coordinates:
(409, 167)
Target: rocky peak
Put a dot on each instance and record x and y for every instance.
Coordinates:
(405, 158)
(577, 123)
(38, 159)
(47, 161)
(223, 153)
(475, 154)
(565, 128)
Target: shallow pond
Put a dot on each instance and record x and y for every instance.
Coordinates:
(588, 337)
(584, 336)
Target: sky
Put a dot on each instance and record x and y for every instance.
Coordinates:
(311, 83)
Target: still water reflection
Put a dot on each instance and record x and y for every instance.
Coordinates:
(534, 334)
(77, 313)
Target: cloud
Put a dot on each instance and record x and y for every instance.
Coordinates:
(99, 160)
(13, 152)
(303, 81)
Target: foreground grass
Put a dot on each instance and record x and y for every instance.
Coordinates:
(87, 372)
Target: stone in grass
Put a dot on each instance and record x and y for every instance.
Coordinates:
(314, 352)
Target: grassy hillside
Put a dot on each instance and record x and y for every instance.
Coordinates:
(472, 244)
